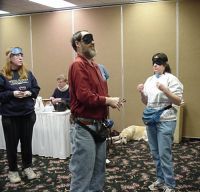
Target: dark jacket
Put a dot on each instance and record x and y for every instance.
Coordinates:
(64, 95)
(12, 106)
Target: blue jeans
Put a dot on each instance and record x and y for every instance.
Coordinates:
(87, 164)
(160, 139)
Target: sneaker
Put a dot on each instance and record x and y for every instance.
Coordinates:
(156, 185)
(14, 177)
(30, 173)
(167, 189)
(107, 161)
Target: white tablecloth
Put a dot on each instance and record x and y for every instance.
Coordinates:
(50, 135)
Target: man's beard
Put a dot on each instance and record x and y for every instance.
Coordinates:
(89, 54)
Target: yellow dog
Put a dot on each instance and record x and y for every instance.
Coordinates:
(132, 132)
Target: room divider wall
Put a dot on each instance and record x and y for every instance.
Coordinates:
(126, 37)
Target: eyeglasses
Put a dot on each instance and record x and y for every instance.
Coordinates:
(87, 39)
(16, 51)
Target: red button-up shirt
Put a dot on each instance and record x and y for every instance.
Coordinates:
(87, 89)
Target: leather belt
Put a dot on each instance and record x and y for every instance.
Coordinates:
(83, 120)
(86, 121)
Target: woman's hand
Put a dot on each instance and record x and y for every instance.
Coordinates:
(27, 93)
(21, 94)
(18, 94)
(173, 98)
(140, 87)
(161, 87)
(55, 100)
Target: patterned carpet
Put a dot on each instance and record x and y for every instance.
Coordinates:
(131, 170)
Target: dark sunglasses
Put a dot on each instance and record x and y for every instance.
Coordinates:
(88, 38)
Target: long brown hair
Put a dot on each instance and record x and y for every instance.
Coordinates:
(167, 68)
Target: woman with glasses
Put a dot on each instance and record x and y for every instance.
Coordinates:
(18, 89)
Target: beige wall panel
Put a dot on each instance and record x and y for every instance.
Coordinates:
(190, 65)
(104, 23)
(15, 31)
(148, 28)
(52, 51)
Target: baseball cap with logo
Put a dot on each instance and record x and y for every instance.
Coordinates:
(159, 59)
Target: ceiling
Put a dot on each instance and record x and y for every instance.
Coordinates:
(21, 7)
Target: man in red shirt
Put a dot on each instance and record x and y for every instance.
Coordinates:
(89, 105)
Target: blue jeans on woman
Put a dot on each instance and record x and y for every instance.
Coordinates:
(160, 139)
(87, 164)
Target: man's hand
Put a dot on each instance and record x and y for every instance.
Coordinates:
(115, 102)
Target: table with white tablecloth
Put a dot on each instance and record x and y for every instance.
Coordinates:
(50, 135)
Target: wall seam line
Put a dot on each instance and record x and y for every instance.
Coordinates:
(177, 38)
(122, 62)
(73, 29)
(31, 44)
